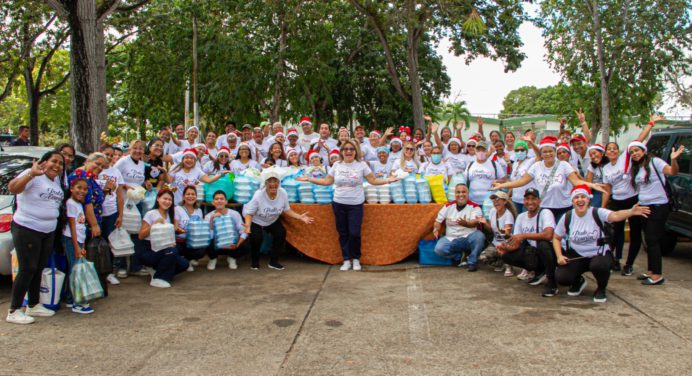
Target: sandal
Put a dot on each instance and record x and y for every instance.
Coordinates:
(651, 282)
(643, 277)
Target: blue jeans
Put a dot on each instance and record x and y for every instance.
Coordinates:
(349, 220)
(71, 260)
(140, 247)
(454, 249)
(597, 199)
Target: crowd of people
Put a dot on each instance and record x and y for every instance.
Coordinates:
(554, 200)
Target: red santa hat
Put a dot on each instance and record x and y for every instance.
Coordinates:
(305, 120)
(564, 146)
(334, 152)
(292, 132)
(548, 141)
(397, 140)
(472, 140)
(190, 151)
(582, 189)
(598, 147)
(577, 138)
(375, 131)
(312, 153)
(224, 150)
(628, 159)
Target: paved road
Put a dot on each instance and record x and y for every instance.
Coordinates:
(312, 319)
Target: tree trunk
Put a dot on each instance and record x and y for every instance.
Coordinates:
(414, 78)
(605, 100)
(276, 98)
(33, 98)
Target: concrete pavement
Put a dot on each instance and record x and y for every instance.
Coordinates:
(312, 319)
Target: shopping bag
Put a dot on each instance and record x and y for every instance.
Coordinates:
(149, 200)
(98, 252)
(437, 188)
(225, 184)
(84, 282)
(132, 220)
(162, 236)
(52, 281)
(121, 243)
(136, 194)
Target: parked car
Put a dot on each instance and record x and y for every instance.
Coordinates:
(14, 160)
(680, 221)
(6, 139)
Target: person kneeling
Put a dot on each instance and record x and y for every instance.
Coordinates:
(462, 236)
(234, 250)
(588, 245)
(166, 262)
(529, 246)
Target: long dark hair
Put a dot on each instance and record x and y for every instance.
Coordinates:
(217, 165)
(171, 210)
(271, 158)
(604, 161)
(636, 166)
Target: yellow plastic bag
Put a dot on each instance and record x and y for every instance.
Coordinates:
(437, 188)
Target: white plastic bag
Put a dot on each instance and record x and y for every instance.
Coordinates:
(52, 281)
(120, 242)
(136, 194)
(132, 220)
(162, 236)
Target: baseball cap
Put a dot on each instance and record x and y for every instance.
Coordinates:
(532, 192)
(499, 194)
(248, 126)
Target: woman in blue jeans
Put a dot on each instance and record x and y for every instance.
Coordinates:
(347, 176)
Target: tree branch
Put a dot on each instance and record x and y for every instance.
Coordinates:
(8, 86)
(59, 8)
(106, 9)
(46, 59)
(120, 41)
(54, 89)
(129, 8)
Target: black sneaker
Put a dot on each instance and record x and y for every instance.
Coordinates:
(616, 266)
(549, 292)
(472, 268)
(627, 270)
(600, 296)
(537, 280)
(276, 266)
(577, 288)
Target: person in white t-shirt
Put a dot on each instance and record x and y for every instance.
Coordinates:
(381, 168)
(597, 160)
(324, 143)
(519, 168)
(395, 148)
(187, 173)
(587, 243)
(499, 223)
(276, 156)
(462, 237)
(436, 166)
(262, 215)
(173, 145)
(309, 136)
(113, 185)
(131, 167)
(221, 164)
(648, 175)
(258, 144)
(187, 211)
(409, 159)
(234, 251)
(292, 137)
(482, 173)
(166, 262)
(529, 246)
(347, 176)
(243, 160)
(210, 145)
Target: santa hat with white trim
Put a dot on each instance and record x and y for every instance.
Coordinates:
(581, 189)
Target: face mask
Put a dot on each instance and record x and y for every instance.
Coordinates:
(521, 155)
(436, 158)
(481, 155)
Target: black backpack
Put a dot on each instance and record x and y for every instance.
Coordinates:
(468, 170)
(666, 187)
(608, 238)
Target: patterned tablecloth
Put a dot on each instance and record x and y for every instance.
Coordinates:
(390, 232)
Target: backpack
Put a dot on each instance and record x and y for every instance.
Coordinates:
(468, 170)
(608, 238)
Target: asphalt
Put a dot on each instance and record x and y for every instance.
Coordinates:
(312, 319)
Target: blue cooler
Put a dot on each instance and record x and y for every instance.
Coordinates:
(427, 255)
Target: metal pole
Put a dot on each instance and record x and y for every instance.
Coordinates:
(194, 70)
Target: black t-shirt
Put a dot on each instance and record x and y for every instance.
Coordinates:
(20, 142)
(152, 174)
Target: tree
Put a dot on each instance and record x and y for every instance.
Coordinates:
(620, 47)
(475, 28)
(560, 100)
(455, 112)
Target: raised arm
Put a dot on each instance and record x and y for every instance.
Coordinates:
(576, 180)
(584, 125)
(672, 170)
(522, 181)
(621, 215)
(647, 129)
(370, 178)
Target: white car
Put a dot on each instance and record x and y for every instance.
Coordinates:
(14, 160)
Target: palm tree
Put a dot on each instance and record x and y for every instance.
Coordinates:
(455, 112)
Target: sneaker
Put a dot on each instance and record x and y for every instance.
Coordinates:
(463, 263)
(627, 270)
(616, 266)
(356, 265)
(345, 266)
(472, 268)
(112, 279)
(39, 311)
(499, 268)
(18, 317)
(211, 265)
(600, 296)
(82, 309)
(509, 271)
(194, 262)
(160, 283)
(232, 264)
(523, 275)
(254, 267)
(190, 268)
(276, 266)
(577, 288)
(549, 292)
(537, 280)
(122, 273)
(69, 304)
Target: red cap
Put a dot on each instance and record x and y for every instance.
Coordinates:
(577, 137)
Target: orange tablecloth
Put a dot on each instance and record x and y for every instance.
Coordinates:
(390, 232)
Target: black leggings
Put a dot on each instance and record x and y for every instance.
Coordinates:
(619, 230)
(546, 257)
(654, 231)
(278, 233)
(599, 266)
(33, 251)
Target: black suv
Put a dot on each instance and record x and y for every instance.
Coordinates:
(661, 143)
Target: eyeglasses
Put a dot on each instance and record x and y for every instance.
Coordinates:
(471, 146)
(348, 149)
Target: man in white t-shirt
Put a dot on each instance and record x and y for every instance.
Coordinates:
(308, 136)
(461, 236)
(175, 145)
(529, 246)
(324, 144)
(259, 144)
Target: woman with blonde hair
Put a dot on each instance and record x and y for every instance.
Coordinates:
(408, 161)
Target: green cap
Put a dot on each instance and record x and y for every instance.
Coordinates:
(521, 143)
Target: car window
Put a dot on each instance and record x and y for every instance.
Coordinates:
(10, 166)
(685, 159)
(657, 145)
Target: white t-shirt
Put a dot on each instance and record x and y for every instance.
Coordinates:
(621, 186)
(580, 164)
(237, 166)
(450, 215)
(171, 148)
(597, 173)
(506, 219)
(110, 203)
(409, 166)
(263, 148)
(133, 173)
(653, 192)
(380, 170)
(183, 218)
(480, 177)
(394, 155)
(38, 206)
(584, 232)
(431, 169)
(265, 211)
(75, 210)
(519, 170)
(182, 179)
(237, 221)
(306, 140)
(151, 217)
(557, 195)
(278, 162)
(348, 182)
(369, 152)
(457, 163)
(527, 225)
(209, 168)
(330, 144)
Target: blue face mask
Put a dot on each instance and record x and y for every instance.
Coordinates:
(521, 155)
(436, 158)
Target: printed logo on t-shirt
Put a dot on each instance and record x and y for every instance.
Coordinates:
(481, 174)
(81, 220)
(588, 236)
(134, 174)
(347, 177)
(55, 195)
(544, 179)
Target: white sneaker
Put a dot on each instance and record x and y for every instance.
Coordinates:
(39, 311)
(194, 262)
(112, 279)
(160, 283)
(508, 271)
(232, 264)
(356, 265)
(122, 273)
(346, 266)
(19, 317)
(211, 265)
(190, 268)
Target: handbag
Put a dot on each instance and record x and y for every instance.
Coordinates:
(84, 282)
(98, 252)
